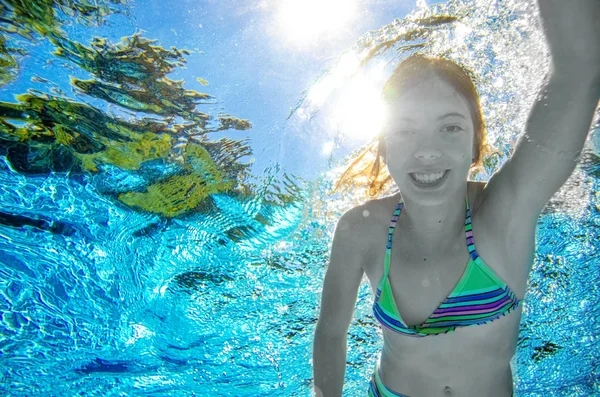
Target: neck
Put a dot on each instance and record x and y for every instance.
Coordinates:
(435, 226)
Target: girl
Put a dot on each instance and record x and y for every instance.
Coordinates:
(449, 284)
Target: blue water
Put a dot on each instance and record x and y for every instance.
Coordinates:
(99, 298)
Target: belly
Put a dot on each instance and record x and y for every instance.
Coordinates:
(471, 361)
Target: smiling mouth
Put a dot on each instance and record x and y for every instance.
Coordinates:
(432, 179)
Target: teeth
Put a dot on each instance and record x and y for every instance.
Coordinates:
(428, 178)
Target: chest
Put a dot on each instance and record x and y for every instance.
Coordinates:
(421, 279)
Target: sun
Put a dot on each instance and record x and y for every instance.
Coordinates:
(305, 23)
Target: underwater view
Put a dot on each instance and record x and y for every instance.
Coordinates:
(167, 200)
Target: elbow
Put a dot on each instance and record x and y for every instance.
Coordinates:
(330, 330)
(329, 336)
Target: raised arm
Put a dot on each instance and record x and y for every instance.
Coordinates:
(559, 122)
(338, 299)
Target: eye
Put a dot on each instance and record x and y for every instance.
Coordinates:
(405, 132)
(399, 134)
(453, 128)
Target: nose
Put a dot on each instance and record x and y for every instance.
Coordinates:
(428, 154)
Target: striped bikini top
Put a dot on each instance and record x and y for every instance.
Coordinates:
(479, 297)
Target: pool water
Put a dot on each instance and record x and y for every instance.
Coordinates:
(158, 240)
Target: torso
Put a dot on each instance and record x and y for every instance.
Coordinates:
(470, 361)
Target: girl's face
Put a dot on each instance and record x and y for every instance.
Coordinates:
(429, 141)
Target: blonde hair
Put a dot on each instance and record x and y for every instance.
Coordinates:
(365, 169)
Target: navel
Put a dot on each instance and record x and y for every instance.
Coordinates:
(448, 391)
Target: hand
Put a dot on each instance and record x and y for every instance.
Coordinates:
(572, 28)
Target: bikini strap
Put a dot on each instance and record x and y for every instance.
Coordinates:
(469, 233)
(388, 248)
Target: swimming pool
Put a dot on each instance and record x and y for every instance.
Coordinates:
(158, 241)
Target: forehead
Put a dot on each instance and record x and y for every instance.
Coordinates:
(428, 98)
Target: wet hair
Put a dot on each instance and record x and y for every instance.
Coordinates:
(365, 168)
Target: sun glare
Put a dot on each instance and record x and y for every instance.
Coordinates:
(351, 98)
(306, 22)
(359, 112)
(341, 73)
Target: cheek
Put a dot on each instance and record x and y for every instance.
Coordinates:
(466, 155)
(463, 148)
(454, 148)
(397, 160)
(396, 153)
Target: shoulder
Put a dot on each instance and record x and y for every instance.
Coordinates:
(488, 209)
(359, 227)
(510, 226)
(497, 207)
(382, 205)
(353, 226)
(475, 194)
(380, 211)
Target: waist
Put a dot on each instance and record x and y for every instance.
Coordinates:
(438, 375)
